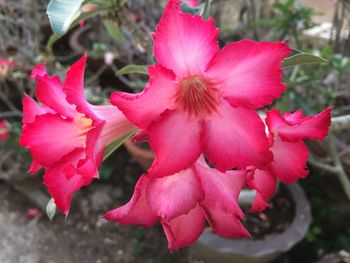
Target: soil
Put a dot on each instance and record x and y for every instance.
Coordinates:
(275, 219)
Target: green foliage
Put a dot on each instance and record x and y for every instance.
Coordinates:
(62, 13)
(116, 144)
(301, 59)
(132, 69)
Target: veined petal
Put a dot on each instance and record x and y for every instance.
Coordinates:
(184, 43)
(235, 137)
(157, 97)
(174, 195)
(294, 127)
(50, 137)
(62, 180)
(249, 73)
(185, 229)
(137, 211)
(175, 139)
(289, 163)
(221, 190)
(49, 92)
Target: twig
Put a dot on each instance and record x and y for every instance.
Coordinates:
(7, 114)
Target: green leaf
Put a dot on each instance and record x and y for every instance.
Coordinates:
(51, 209)
(113, 30)
(132, 69)
(301, 59)
(186, 8)
(62, 13)
(206, 9)
(116, 144)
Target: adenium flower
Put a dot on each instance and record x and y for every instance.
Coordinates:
(200, 99)
(287, 133)
(67, 135)
(182, 202)
(4, 130)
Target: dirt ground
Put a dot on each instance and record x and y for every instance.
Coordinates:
(82, 237)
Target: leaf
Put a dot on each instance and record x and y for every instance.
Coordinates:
(116, 144)
(186, 8)
(62, 13)
(301, 59)
(206, 9)
(113, 30)
(51, 209)
(132, 69)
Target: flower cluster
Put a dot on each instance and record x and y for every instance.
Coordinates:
(198, 112)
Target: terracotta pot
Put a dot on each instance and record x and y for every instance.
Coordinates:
(214, 249)
(144, 157)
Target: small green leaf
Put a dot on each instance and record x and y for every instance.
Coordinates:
(206, 9)
(62, 13)
(116, 144)
(113, 30)
(186, 8)
(301, 59)
(51, 209)
(132, 69)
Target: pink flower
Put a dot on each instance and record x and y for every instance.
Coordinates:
(192, 3)
(5, 66)
(66, 134)
(182, 202)
(4, 130)
(200, 99)
(290, 152)
(32, 212)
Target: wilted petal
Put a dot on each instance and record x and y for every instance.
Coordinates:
(249, 73)
(174, 195)
(289, 162)
(184, 43)
(184, 230)
(175, 139)
(146, 107)
(235, 137)
(137, 211)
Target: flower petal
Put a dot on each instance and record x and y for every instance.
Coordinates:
(184, 230)
(184, 43)
(73, 86)
(34, 167)
(157, 97)
(225, 224)
(137, 211)
(174, 195)
(221, 190)
(265, 185)
(49, 92)
(289, 162)
(30, 109)
(175, 139)
(294, 127)
(235, 137)
(62, 180)
(50, 137)
(249, 73)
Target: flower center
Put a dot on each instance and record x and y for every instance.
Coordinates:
(197, 96)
